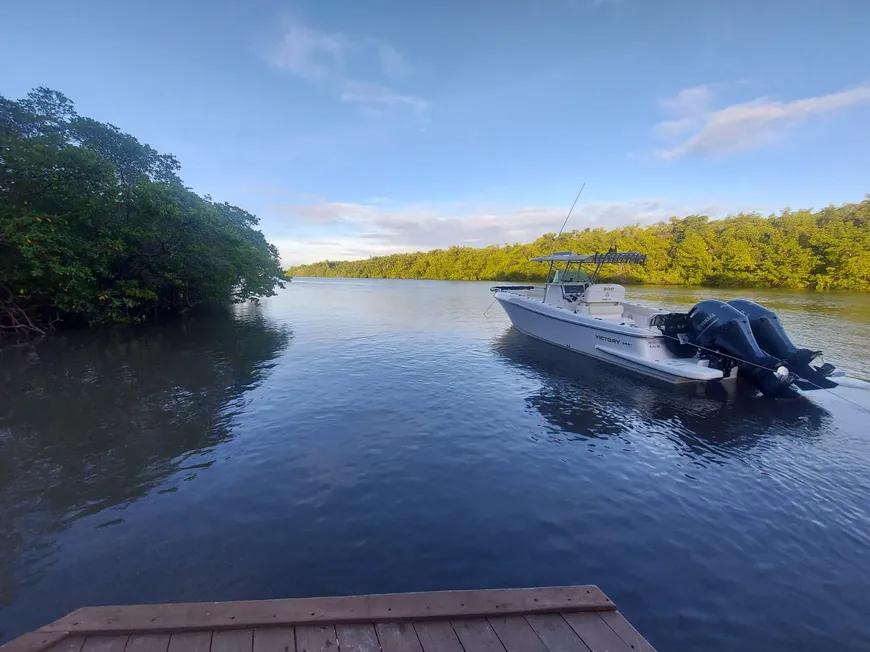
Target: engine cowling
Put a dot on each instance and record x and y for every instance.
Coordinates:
(719, 327)
(771, 337)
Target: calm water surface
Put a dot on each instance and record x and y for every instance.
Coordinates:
(356, 436)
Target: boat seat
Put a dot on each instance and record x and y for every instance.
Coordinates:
(605, 309)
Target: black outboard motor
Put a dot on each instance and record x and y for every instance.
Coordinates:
(718, 327)
(771, 337)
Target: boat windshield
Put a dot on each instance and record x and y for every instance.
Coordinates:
(571, 274)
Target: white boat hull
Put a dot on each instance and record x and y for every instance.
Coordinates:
(639, 349)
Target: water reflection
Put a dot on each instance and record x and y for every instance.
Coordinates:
(90, 421)
(583, 398)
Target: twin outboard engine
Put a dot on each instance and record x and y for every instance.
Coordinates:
(723, 333)
(771, 337)
(748, 336)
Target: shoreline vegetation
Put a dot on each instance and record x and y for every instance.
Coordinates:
(97, 228)
(828, 249)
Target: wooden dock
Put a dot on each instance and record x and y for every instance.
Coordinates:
(556, 619)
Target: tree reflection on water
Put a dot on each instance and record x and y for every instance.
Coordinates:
(93, 420)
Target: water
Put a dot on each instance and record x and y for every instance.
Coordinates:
(356, 436)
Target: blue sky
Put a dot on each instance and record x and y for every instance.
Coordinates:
(359, 127)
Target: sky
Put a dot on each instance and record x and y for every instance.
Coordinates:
(363, 127)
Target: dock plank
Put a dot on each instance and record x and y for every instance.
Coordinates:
(437, 636)
(626, 631)
(344, 609)
(36, 642)
(555, 619)
(556, 634)
(239, 640)
(148, 643)
(477, 635)
(596, 633)
(275, 639)
(105, 644)
(516, 634)
(315, 638)
(190, 642)
(68, 644)
(398, 637)
(357, 638)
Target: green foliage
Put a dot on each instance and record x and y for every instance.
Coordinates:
(96, 227)
(824, 250)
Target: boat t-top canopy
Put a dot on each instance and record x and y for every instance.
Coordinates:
(609, 258)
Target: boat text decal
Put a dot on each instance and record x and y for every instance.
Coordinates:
(611, 340)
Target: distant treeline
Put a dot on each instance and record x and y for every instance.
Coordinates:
(825, 250)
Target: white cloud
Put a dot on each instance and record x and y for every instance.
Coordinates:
(349, 230)
(690, 104)
(381, 98)
(309, 53)
(689, 100)
(323, 58)
(740, 127)
(393, 63)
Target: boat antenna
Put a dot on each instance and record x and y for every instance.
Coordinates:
(559, 234)
(568, 216)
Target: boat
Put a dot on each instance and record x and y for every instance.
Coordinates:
(715, 341)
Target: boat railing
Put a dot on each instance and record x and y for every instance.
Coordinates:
(508, 288)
